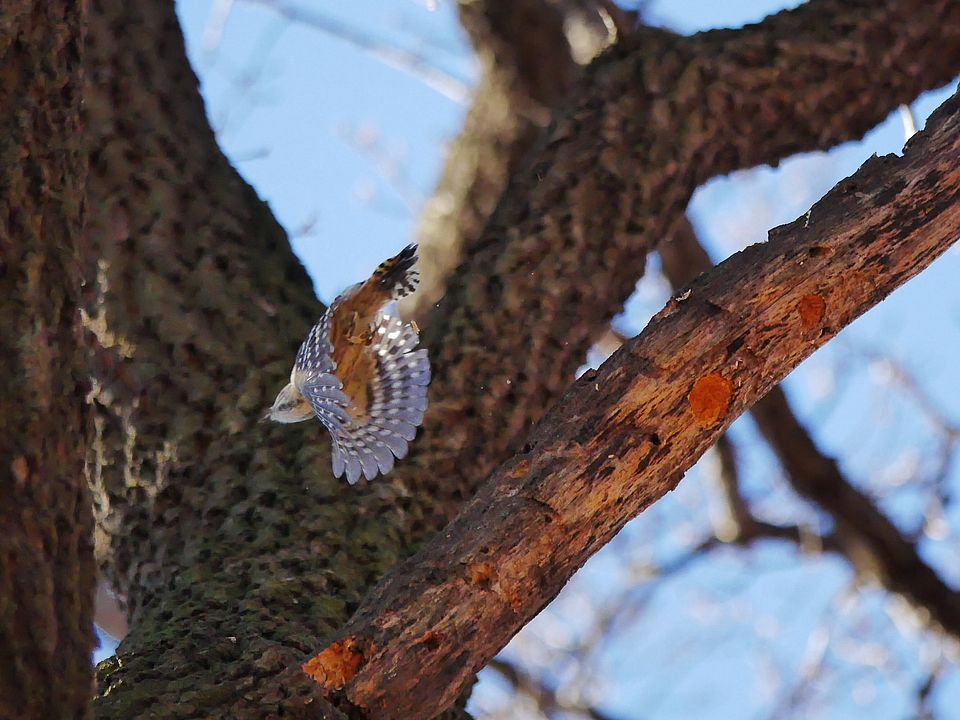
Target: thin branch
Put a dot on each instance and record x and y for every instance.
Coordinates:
(215, 26)
(620, 22)
(545, 697)
(744, 528)
(909, 122)
(388, 167)
(737, 516)
(871, 541)
(814, 657)
(411, 62)
(926, 689)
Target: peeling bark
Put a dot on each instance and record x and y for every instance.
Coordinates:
(46, 527)
(623, 436)
(866, 537)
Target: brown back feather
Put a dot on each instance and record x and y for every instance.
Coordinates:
(352, 323)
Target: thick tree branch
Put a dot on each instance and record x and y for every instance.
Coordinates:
(46, 526)
(867, 538)
(623, 436)
(650, 120)
(526, 70)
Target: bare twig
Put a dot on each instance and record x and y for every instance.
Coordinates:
(546, 698)
(411, 62)
(909, 123)
(925, 691)
(388, 167)
(814, 657)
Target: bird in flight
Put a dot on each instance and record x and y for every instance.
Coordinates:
(360, 373)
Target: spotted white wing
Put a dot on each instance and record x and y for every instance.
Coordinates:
(397, 404)
(313, 375)
(316, 352)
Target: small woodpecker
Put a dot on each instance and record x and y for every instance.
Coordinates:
(358, 371)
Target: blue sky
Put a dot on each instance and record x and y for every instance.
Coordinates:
(346, 148)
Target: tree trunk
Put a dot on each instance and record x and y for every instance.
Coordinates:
(46, 526)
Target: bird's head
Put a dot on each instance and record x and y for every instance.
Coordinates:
(289, 407)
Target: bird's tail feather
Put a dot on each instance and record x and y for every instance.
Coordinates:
(397, 275)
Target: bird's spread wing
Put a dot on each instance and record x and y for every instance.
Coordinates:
(316, 352)
(313, 375)
(397, 401)
(373, 406)
(367, 445)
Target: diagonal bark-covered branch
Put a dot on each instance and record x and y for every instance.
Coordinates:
(867, 537)
(46, 526)
(650, 120)
(623, 436)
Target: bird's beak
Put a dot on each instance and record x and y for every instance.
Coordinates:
(265, 418)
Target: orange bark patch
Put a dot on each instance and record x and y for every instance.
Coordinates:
(20, 470)
(811, 309)
(337, 665)
(709, 399)
(518, 470)
(481, 574)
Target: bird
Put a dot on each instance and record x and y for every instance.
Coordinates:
(360, 373)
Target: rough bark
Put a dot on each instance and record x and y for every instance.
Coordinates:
(46, 526)
(623, 436)
(650, 120)
(526, 69)
(230, 541)
(235, 549)
(195, 306)
(866, 537)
